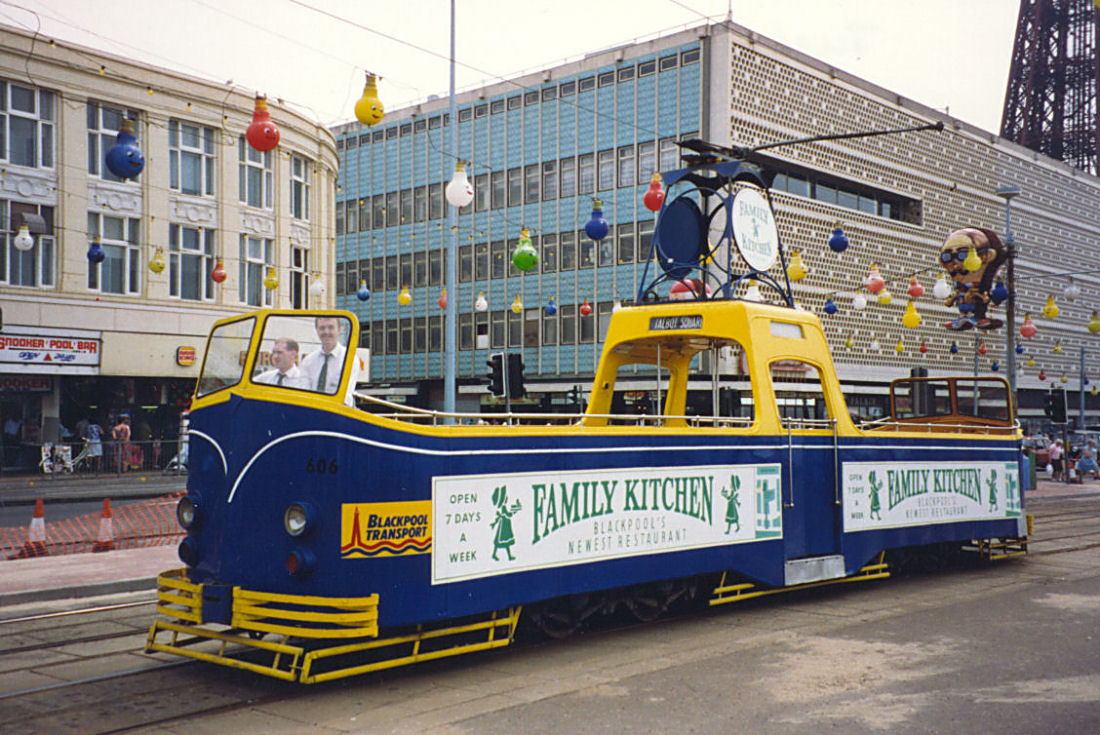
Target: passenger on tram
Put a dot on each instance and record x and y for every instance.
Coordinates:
(286, 373)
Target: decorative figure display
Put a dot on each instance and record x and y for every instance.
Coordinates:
(596, 227)
(551, 307)
(443, 299)
(585, 307)
(363, 294)
(1050, 309)
(517, 305)
(859, 302)
(971, 256)
(1028, 328)
(655, 195)
(369, 109)
(156, 263)
(796, 269)
(830, 306)
(838, 242)
(124, 158)
(915, 289)
(525, 257)
(941, 290)
(261, 134)
(95, 252)
(885, 297)
(911, 319)
(23, 240)
(271, 282)
(1094, 323)
(481, 304)
(874, 282)
(404, 298)
(459, 191)
(218, 274)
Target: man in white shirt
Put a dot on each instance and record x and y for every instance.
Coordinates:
(284, 355)
(325, 366)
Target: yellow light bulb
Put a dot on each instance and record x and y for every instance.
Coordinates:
(911, 319)
(271, 282)
(1051, 310)
(404, 298)
(517, 305)
(1094, 323)
(796, 269)
(885, 297)
(369, 109)
(156, 263)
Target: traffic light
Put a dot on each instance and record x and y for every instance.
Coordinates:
(496, 373)
(1055, 406)
(515, 376)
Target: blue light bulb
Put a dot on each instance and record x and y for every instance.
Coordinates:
(838, 242)
(95, 252)
(596, 227)
(954, 348)
(830, 306)
(363, 293)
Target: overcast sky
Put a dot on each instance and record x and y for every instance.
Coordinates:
(951, 54)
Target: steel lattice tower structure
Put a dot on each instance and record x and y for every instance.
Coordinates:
(1051, 103)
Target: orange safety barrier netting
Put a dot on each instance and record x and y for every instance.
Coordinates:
(150, 522)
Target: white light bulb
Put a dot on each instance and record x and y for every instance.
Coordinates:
(941, 289)
(23, 240)
(459, 191)
(859, 302)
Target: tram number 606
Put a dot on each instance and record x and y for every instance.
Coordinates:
(321, 466)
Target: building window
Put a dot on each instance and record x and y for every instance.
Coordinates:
(549, 253)
(549, 93)
(420, 203)
(626, 165)
(406, 269)
(299, 278)
(406, 206)
(606, 79)
(668, 62)
(481, 331)
(352, 217)
(481, 192)
(497, 200)
(605, 249)
(568, 89)
(465, 263)
(378, 211)
(646, 68)
(378, 275)
(190, 260)
(531, 319)
(256, 256)
(530, 98)
(420, 334)
(568, 181)
(496, 107)
(515, 329)
(626, 73)
(515, 102)
(586, 252)
(550, 329)
(497, 259)
(515, 187)
(420, 268)
(120, 271)
(531, 183)
(689, 57)
(406, 336)
(26, 126)
(190, 158)
(645, 240)
(568, 324)
(481, 110)
(496, 329)
(481, 261)
(669, 155)
(435, 267)
(435, 334)
(625, 235)
(605, 161)
(586, 84)
(465, 114)
(435, 201)
(586, 174)
(567, 251)
(364, 214)
(549, 180)
(587, 327)
(647, 161)
(340, 228)
(392, 283)
(256, 177)
(34, 267)
(299, 190)
(465, 331)
(103, 125)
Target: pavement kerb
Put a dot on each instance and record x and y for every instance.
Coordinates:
(93, 589)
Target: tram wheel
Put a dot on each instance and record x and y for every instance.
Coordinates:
(648, 603)
(559, 618)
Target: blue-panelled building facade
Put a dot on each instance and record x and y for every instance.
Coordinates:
(541, 147)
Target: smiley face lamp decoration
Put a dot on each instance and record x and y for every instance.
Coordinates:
(971, 257)
(525, 257)
(655, 195)
(459, 191)
(369, 109)
(23, 240)
(124, 159)
(218, 274)
(262, 134)
(156, 263)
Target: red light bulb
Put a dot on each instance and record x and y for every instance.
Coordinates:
(262, 134)
(218, 274)
(586, 308)
(655, 196)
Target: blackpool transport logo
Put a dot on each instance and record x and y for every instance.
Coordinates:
(385, 529)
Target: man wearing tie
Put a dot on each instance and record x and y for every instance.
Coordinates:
(284, 355)
(325, 366)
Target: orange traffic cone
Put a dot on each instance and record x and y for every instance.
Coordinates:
(105, 539)
(36, 533)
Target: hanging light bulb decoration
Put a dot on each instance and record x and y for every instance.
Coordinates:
(443, 299)
(517, 305)
(1092, 390)
(95, 252)
(1063, 379)
(616, 305)
(262, 134)
(999, 292)
(1072, 290)
(482, 303)
(369, 109)
(954, 349)
(752, 293)
(972, 262)
(874, 282)
(156, 263)
(551, 307)
(995, 366)
(23, 240)
(124, 159)
(838, 242)
(1030, 361)
(849, 342)
(525, 257)
(940, 289)
(1057, 350)
(585, 307)
(271, 282)
(363, 294)
(1028, 328)
(923, 347)
(459, 191)
(1051, 310)
(1094, 323)
(404, 298)
(885, 297)
(900, 346)
(796, 269)
(218, 274)
(830, 306)
(911, 319)
(982, 349)
(596, 227)
(875, 346)
(317, 286)
(1042, 375)
(655, 195)
(915, 289)
(859, 302)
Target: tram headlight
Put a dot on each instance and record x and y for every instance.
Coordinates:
(300, 562)
(300, 518)
(189, 552)
(188, 511)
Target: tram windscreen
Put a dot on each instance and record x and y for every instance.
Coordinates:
(303, 352)
(226, 351)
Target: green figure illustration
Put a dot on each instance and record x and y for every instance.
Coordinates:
(992, 483)
(732, 518)
(1011, 497)
(504, 537)
(876, 506)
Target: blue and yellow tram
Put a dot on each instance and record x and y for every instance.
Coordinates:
(325, 540)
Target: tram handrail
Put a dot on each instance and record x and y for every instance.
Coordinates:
(888, 422)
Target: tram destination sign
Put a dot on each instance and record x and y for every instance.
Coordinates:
(671, 323)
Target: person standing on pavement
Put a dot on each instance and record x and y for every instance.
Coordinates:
(1056, 456)
(1087, 462)
(93, 435)
(121, 435)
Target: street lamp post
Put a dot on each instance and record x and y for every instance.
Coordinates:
(451, 263)
(1007, 193)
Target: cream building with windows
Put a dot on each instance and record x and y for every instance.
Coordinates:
(86, 340)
